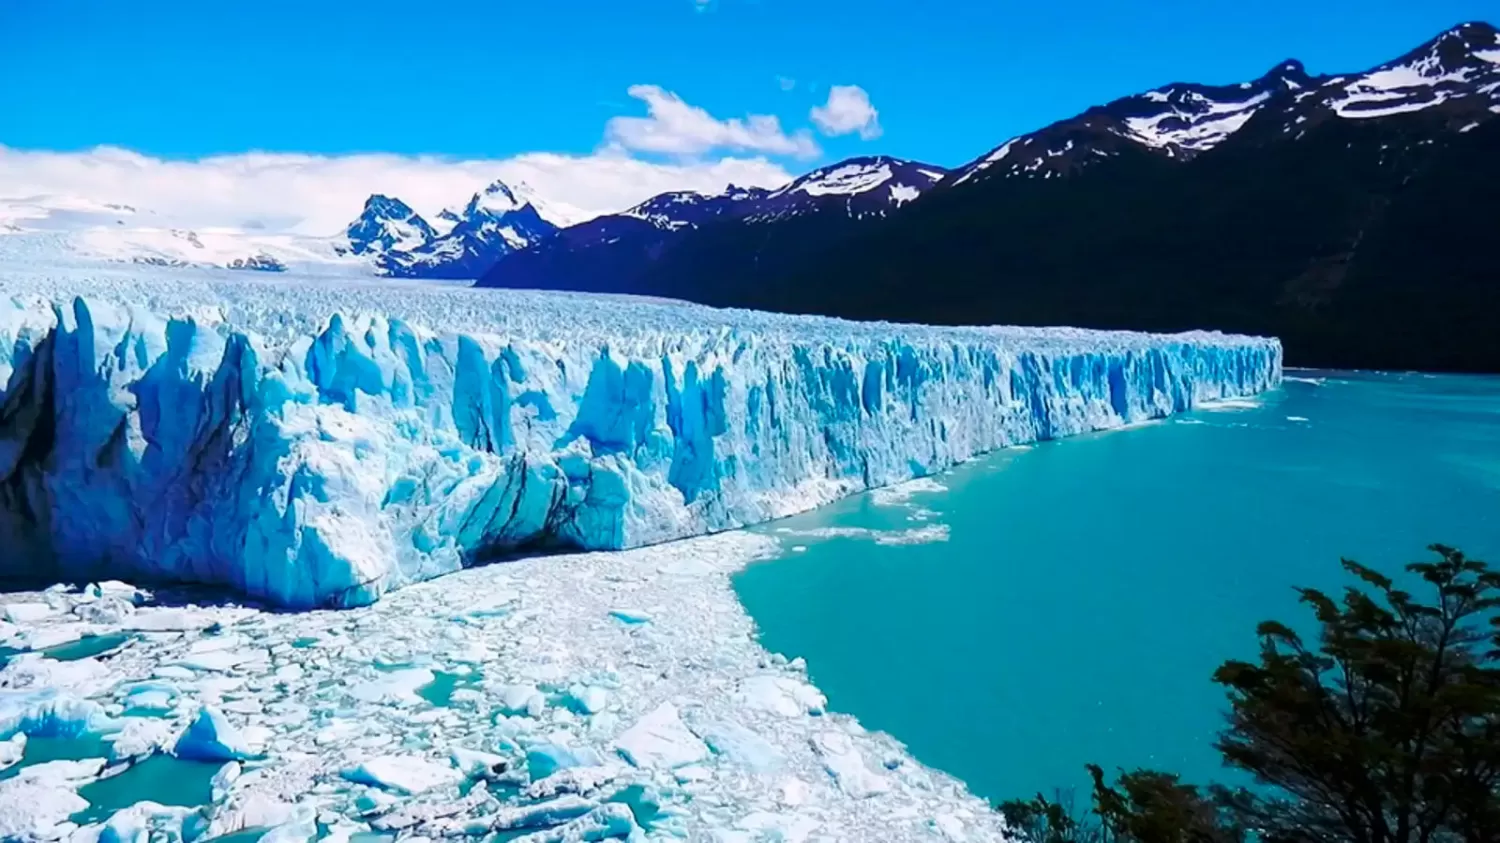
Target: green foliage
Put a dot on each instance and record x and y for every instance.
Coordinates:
(1154, 807)
(1041, 820)
(1143, 806)
(1388, 731)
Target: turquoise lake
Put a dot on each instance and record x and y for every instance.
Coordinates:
(1067, 603)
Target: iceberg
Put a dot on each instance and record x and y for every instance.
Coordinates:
(211, 737)
(319, 445)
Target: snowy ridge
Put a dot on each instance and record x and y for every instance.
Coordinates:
(858, 187)
(321, 446)
(495, 222)
(863, 187)
(683, 209)
(1459, 71)
(1459, 68)
(387, 237)
(385, 225)
(1177, 121)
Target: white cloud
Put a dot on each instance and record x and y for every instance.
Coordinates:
(787, 83)
(848, 110)
(674, 127)
(320, 194)
(313, 194)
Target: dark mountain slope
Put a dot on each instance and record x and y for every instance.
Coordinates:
(1352, 216)
(1355, 255)
(636, 251)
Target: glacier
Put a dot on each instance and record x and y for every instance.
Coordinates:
(319, 444)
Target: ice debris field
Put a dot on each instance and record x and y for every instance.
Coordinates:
(316, 446)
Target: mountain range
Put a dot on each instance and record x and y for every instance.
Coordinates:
(1348, 214)
(462, 244)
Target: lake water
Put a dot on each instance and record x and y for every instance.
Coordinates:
(1067, 603)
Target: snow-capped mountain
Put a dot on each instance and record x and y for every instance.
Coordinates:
(1456, 74)
(859, 187)
(496, 222)
(1454, 77)
(387, 237)
(609, 253)
(1348, 214)
(387, 225)
(1351, 215)
(689, 209)
(1178, 121)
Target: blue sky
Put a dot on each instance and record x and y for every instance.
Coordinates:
(497, 78)
(285, 116)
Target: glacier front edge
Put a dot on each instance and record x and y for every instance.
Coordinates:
(319, 446)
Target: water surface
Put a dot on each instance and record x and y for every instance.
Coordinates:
(1087, 588)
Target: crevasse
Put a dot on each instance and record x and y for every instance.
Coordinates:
(323, 457)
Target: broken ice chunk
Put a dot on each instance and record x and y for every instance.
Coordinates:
(399, 686)
(586, 700)
(146, 820)
(579, 780)
(631, 617)
(49, 713)
(62, 773)
(213, 661)
(12, 750)
(660, 740)
(542, 760)
(494, 605)
(520, 699)
(139, 736)
(24, 613)
(844, 762)
(211, 737)
(31, 810)
(739, 744)
(152, 697)
(542, 814)
(781, 695)
(408, 774)
(607, 822)
(478, 765)
(226, 776)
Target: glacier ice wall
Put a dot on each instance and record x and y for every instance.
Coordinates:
(317, 449)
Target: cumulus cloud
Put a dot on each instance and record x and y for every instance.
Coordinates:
(848, 110)
(673, 127)
(314, 194)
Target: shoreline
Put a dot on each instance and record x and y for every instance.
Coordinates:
(641, 665)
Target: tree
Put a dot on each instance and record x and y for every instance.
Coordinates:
(1043, 820)
(1143, 806)
(1152, 807)
(1389, 731)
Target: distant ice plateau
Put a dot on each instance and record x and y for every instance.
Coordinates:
(318, 444)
